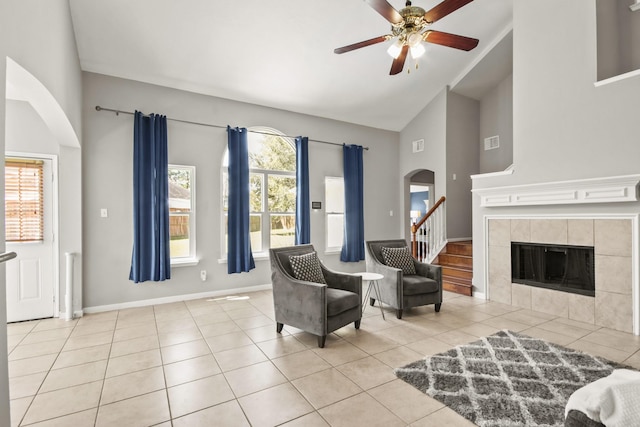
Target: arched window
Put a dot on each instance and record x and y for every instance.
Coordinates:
(272, 195)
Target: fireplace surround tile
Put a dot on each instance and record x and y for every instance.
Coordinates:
(613, 311)
(580, 232)
(613, 274)
(521, 295)
(552, 231)
(500, 232)
(612, 242)
(582, 308)
(550, 302)
(613, 237)
(520, 230)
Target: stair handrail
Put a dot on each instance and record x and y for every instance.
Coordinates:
(431, 225)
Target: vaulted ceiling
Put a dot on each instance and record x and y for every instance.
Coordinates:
(279, 53)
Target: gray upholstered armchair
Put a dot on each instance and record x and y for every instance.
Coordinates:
(314, 307)
(400, 290)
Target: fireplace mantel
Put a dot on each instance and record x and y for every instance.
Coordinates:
(592, 190)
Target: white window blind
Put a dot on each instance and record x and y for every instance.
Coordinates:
(24, 207)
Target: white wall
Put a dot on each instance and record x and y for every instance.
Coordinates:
(107, 178)
(564, 127)
(38, 35)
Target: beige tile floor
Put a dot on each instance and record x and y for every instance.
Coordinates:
(220, 362)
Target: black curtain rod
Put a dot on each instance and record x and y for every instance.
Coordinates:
(118, 112)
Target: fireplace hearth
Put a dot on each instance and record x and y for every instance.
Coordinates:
(559, 267)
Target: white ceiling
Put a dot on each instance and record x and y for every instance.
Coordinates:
(279, 53)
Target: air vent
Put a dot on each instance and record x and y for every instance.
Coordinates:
(491, 143)
(418, 145)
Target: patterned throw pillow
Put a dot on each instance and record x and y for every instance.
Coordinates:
(307, 267)
(399, 258)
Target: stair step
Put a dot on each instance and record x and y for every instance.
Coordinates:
(460, 280)
(456, 272)
(459, 248)
(455, 260)
(458, 288)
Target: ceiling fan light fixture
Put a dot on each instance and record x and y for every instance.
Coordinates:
(417, 51)
(395, 49)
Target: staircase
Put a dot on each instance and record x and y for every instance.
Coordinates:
(457, 267)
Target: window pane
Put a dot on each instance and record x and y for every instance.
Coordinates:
(335, 230)
(180, 208)
(334, 194)
(271, 152)
(255, 232)
(282, 193)
(225, 191)
(179, 235)
(24, 201)
(283, 230)
(255, 192)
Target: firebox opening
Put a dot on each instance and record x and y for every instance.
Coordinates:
(559, 267)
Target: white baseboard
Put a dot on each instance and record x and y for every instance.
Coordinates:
(480, 295)
(176, 298)
(459, 239)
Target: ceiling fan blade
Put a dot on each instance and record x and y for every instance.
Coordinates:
(386, 10)
(450, 40)
(358, 45)
(398, 63)
(443, 9)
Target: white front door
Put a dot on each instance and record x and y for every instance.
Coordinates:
(30, 276)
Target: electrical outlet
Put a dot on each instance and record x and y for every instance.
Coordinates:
(203, 275)
(104, 213)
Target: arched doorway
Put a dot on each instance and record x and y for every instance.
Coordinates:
(419, 196)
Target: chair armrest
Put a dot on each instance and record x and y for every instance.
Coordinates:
(344, 281)
(428, 270)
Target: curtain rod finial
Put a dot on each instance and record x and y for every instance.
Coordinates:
(98, 108)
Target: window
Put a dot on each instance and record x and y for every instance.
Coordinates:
(24, 206)
(334, 203)
(182, 213)
(272, 190)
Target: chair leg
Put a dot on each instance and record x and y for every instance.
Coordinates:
(438, 305)
(357, 324)
(399, 314)
(321, 340)
(279, 327)
(372, 301)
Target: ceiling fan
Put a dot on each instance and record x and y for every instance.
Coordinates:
(410, 27)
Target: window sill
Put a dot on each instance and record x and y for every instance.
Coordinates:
(184, 262)
(332, 251)
(260, 256)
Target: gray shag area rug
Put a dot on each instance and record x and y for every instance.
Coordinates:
(506, 379)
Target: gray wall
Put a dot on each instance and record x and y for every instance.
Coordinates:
(618, 38)
(496, 118)
(564, 127)
(463, 128)
(107, 183)
(430, 125)
(39, 36)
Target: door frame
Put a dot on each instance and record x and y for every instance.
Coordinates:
(53, 158)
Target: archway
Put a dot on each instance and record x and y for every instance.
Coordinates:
(416, 184)
(24, 89)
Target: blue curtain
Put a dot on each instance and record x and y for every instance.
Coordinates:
(303, 212)
(353, 245)
(151, 259)
(239, 256)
